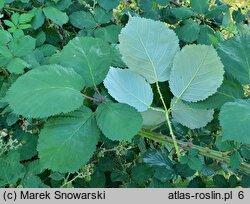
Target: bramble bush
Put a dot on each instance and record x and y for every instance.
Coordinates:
(109, 93)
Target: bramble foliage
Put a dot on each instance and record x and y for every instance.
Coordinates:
(109, 93)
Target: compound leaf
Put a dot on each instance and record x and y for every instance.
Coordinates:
(128, 87)
(197, 73)
(146, 48)
(89, 57)
(118, 121)
(45, 91)
(67, 142)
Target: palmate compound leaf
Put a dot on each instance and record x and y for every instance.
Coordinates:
(128, 87)
(45, 91)
(90, 57)
(190, 117)
(148, 48)
(196, 74)
(118, 121)
(234, 54)
(234, 120)
(67, 142)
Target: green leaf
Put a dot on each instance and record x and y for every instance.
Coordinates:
(126, 86)
(1, 4)
(200, 6)
(10, 169)
(101, 16)
(205, 34)
(157, 159)
(163, 174)
(38, 19)
(56, 16)
(141, 173)
(245, 152)
(29, 143)
(25, 18)
(162, 2)
(182, 12)
(155, 183)
(152, 117)
(22, 46)
(195, 163)
(196, 74)
(184, 170)
(190, 117)
(109, 33)
(67, 143)
(8, 23)
(246, 181)
(17, 65)
(89, 57)
(31, 180)
(220, 181)
(119, 176)
(45, 91)
(108, 5)
(5, 55)
(217, 11)
(24, 26)
(82, 19)
(229, 91)
(235, 160)
(118, 121)
(57, 176)
(11, 119)
(146, 48)
(15, 18)
(5, 37)
(189, 32)
(235, 120)
(235, 56)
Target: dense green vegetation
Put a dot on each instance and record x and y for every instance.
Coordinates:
(109, 93)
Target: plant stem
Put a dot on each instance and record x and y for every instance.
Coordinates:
(93, 99)
(14, 9)
(177, 149)
(217, 155)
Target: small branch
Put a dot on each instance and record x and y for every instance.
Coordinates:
(14, 9)
(177, 149)
(93, 99)
(217, 155)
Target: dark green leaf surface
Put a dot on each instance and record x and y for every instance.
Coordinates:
(45, 91)
(67, 142)
(112, 117)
